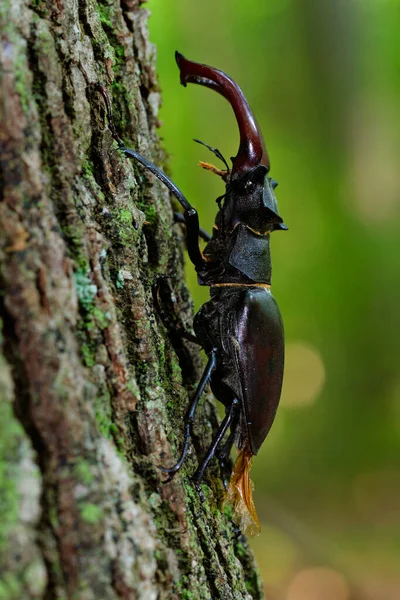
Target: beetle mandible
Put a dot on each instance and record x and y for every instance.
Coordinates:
(240, 327)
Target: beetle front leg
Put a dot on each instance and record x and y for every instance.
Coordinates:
(190, 214)
(180, 218)
(229, 417)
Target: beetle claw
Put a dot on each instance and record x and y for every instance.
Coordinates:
(169, 479)
(170, 472)
(200, 492)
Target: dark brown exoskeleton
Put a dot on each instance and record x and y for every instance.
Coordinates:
(240, 327)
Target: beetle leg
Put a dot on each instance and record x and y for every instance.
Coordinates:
(224, 453)
(175, 328)
(211, 364)
(230, 415)
(180, 218)
(190, 214)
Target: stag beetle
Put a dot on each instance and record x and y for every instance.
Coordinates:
(240, 327)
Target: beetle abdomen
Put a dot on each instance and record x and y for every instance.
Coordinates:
(259, 354)
(245, 325)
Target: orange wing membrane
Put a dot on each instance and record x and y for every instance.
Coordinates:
(240, 494)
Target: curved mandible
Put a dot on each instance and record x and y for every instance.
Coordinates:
(252, 151)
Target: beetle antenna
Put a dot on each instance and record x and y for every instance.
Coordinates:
(215, 151)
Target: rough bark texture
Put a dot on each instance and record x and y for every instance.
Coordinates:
(92, 390)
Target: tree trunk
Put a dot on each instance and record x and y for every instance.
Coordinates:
(93, 393)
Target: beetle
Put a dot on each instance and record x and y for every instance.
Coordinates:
(240, 327)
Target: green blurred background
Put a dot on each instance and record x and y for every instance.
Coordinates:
(323, 79)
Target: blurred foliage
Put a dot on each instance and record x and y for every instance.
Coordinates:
(323, 79)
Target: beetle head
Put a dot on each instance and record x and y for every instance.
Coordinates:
(250, 199)
(250, 194)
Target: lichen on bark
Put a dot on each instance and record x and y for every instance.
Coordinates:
(92, 390)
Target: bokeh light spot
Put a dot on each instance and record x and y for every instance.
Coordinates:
(377, 489)
(304, 375)
(374, 181)
(277, 554)
(318, 584)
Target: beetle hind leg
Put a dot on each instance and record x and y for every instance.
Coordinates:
(212, 361)
(223, 454)
(229, 418)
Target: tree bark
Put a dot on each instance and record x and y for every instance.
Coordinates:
(93, 393)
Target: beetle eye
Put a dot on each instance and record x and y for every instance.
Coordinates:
(249, 185)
